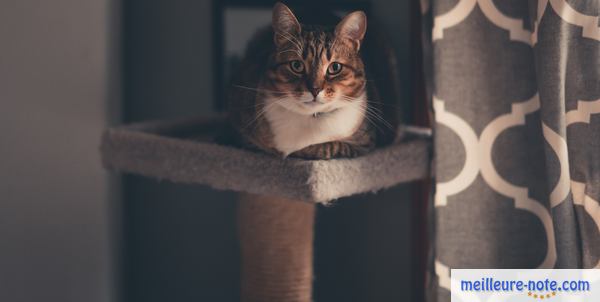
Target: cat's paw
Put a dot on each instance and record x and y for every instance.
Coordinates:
(330, 150)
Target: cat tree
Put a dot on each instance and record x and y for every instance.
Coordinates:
(278, 196)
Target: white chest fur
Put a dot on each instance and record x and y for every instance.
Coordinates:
(293, 131)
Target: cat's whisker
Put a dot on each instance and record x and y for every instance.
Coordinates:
(373, 123)
(373, 114)
(380, 119)
(248, 107)
(384, 104)
(277, 92)
(290, 38)
(296, 51)
(264, 110)
(242, 107)
(295, 39)
(369, 112)
(372, 110)
(258, 116)
(298, 46)
(289, 50)
(352, 99)
(252, 88)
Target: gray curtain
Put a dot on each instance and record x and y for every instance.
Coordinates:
(515, 91)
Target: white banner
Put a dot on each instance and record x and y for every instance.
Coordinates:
(520, 285)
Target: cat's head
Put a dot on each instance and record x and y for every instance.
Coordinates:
(316, 69)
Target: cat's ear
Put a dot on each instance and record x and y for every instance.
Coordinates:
(353, 28)
(285, 25)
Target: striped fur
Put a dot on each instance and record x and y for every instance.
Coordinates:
(289, 98)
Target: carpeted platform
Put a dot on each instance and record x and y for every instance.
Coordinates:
(185, 151)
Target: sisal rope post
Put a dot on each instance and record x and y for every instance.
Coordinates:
(276, 242)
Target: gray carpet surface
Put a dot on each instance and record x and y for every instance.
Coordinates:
(184, 151)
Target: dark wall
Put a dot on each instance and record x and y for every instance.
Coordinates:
(180, 242)
(58, 92)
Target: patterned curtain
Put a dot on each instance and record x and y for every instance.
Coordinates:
(515, 90)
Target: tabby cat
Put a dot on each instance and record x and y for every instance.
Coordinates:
(302, 90)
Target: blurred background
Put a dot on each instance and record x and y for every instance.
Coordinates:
(70, 231)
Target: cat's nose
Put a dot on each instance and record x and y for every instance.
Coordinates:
(315, 91)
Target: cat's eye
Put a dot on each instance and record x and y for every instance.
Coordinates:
(297, 66)
(334, 68)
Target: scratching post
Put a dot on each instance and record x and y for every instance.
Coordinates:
(276, 241)
(277, 205)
